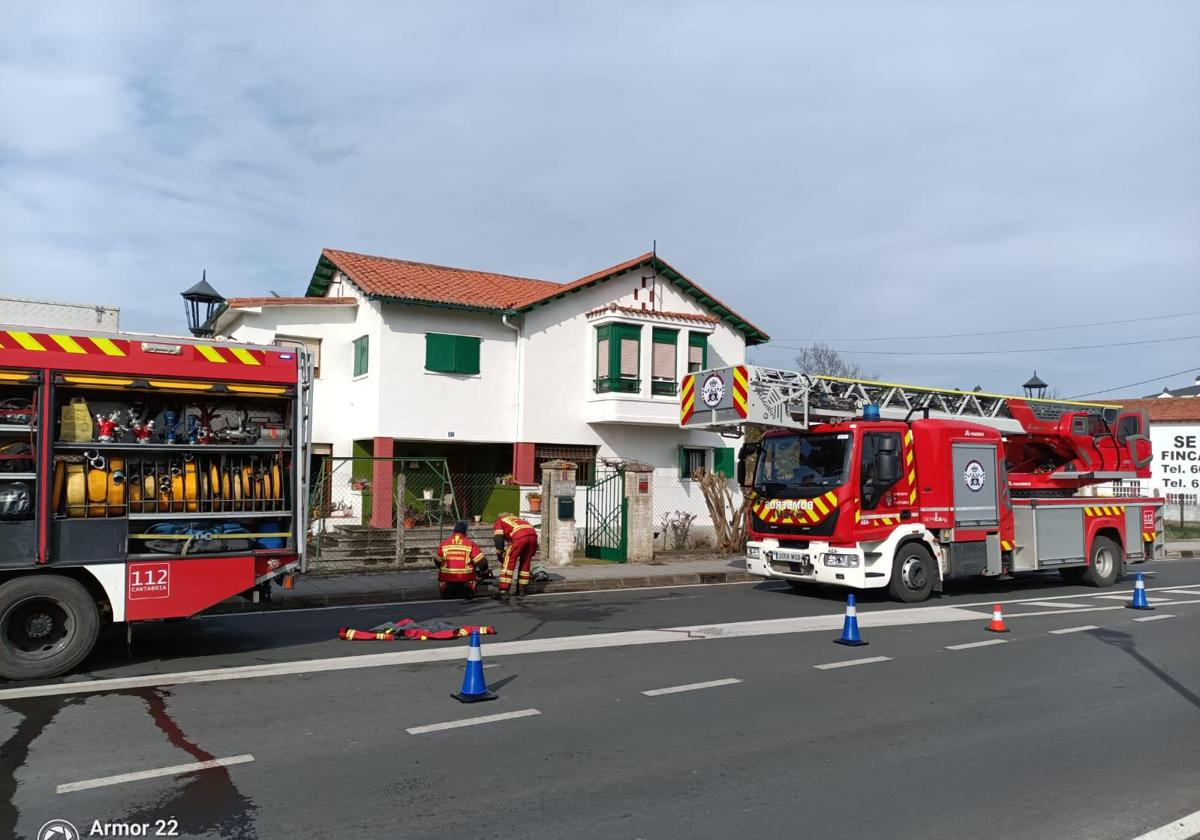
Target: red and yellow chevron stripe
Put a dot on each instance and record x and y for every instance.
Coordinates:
(1147, 536)
(687, 399)
(1007, 545)
(740, 389)
(794, 512)
(59, 342)
(910, 467)
(229, 355)
(1104, 510)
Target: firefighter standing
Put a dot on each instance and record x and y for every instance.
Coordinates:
(516, 542)
(460, 563)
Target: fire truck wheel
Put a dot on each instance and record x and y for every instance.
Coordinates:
(48, 624)
(1105, 563)
(913, 574)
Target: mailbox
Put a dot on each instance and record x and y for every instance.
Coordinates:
(566, 507)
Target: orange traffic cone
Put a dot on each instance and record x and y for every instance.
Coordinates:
(997, 623)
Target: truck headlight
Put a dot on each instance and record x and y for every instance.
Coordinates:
(842, 561)
(753, 552)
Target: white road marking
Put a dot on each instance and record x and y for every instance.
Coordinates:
(105, 781)
(1189, 593)
(475, 721)
(799, 624)
(1158, 617)
(848, 662)
(1130, 598)
(1180, 829)
(675, 689)
(1063, 604)
(984, 643)
(1081, 628)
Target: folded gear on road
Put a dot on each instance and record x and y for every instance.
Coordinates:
(409, 629)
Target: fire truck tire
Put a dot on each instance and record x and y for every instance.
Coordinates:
(1105, 563)
(913, 574)
(48, 625)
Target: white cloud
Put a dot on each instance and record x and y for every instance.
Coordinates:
(853, 166)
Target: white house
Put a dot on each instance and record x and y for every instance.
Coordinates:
(498, 374)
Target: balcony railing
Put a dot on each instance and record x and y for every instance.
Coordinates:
(618, 384)
(664, 387)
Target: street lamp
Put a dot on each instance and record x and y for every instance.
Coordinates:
(1035, 387)
(202, 303)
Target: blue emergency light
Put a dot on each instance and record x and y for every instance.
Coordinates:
(870, 411)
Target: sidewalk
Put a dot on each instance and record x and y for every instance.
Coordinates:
(421, 585)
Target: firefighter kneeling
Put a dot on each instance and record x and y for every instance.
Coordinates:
(516, 542)
(461, 564)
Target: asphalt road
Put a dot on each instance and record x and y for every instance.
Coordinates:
(1093, 733)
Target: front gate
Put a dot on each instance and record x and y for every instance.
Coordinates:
(606, 521)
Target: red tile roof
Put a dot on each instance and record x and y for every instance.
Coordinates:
(436, 283)
(655, 313)
(426, 283)
(1167, 409)
(242, 303)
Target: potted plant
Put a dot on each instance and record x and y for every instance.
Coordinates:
(410, 517)
(535, 502)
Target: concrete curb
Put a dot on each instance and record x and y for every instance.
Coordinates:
(430, 592)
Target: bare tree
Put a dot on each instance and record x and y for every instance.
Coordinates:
(728, 517)
(820, 358)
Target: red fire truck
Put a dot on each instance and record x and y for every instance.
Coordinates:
(870, 485)
(141, 478)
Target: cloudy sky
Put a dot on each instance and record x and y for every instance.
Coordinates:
(838, 171)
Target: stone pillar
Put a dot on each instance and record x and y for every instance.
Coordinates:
(381, 483)
(558, 535)
(639, 497)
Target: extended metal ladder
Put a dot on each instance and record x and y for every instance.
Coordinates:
(725, 398)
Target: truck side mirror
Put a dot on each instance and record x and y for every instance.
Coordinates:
(887, 463)
(744, 452)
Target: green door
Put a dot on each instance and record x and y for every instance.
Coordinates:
(606, 526)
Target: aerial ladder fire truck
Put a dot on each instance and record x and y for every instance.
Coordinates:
(870, 485)
(141, 478)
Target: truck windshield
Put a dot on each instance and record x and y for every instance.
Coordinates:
(798, 466)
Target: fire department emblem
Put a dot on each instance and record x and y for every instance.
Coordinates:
(712, 391)
(974, 476)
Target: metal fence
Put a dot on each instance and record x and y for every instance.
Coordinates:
(353, 528)
(682, 522)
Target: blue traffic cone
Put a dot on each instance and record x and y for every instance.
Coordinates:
(850, 625)
(474, 687)
(1139, 601)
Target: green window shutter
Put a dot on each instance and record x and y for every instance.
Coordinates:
(665, 336)
(723, 462)
(466, 354)
(361, 355)
(697, 352)
(683, 459)
(603, 346)
(439, 352)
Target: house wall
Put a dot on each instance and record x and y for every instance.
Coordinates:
(420, 404)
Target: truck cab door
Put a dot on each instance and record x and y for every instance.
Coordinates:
(883, 500)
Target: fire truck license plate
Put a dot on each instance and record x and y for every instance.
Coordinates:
(790, 561)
